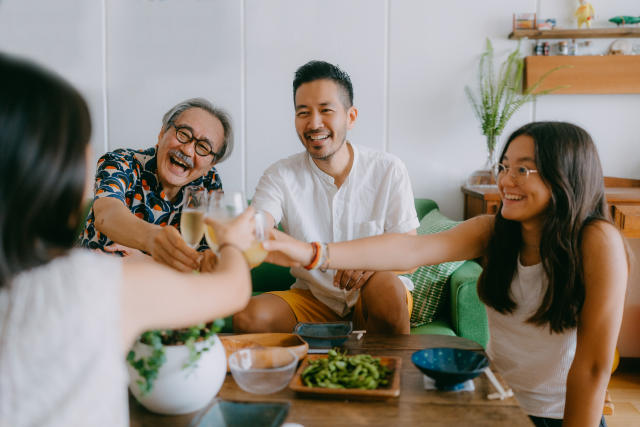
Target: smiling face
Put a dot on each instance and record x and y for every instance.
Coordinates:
(322, 120)
(523, 199)
(178, 164)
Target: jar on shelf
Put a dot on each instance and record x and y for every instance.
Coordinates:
(563, 48)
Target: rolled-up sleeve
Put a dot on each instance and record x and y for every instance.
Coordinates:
(401, 214)
(115, 177)
(269, 194)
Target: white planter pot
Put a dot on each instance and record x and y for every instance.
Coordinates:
(177, 390)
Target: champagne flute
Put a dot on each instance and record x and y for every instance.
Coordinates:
(194, 205)
(224, 207)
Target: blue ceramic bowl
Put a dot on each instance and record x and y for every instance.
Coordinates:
(450, 367)
(324, 335)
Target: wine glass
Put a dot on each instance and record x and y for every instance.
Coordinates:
(194, 205)
(224, 207)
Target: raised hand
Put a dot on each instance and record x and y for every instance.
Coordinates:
(286, 251)
(239, 232)
(351, 279)
(208, 261)
(167, 247)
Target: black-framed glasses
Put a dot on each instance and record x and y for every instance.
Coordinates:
(520, 173)
(184, 135)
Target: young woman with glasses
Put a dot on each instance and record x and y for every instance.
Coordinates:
(68, 316)
(555, 271)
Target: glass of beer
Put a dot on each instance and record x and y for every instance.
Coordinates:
(194, 206)
(226, 206)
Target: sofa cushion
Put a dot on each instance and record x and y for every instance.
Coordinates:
(429, 280)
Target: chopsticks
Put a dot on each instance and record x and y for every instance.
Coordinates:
(501, 394)
(358, 334)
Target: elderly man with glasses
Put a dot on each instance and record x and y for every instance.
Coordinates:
(138, 193)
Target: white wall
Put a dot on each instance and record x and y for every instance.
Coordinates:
(409, 61)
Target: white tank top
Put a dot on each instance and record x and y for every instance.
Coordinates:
(532, 360)
(62, 361)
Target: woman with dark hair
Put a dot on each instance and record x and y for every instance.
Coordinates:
(555, 271)
(68, 316)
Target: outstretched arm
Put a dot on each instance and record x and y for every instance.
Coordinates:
(157, 297)
(390, 251)
(605, 275)
(164, 244)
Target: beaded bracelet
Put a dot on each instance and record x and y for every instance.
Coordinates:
(323, 264)
(317, 254)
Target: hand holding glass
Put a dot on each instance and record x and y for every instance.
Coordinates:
(194, 206)
(224, 207)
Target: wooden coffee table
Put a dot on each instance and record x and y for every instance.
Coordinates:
(415, 406)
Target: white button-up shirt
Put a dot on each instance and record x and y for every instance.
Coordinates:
(375, 198)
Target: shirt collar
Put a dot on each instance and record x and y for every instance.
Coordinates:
(325, 177)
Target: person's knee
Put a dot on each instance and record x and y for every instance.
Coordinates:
(384, 288)
(385, 304)
(250, 319)
(264, 313)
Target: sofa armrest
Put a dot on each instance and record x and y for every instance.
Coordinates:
(468, 314)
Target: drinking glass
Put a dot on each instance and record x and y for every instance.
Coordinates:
(194, 206)
(224, 207)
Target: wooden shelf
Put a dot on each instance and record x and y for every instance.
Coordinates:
(612, 74)
(593, 33)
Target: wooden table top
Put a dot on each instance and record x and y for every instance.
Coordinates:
(415, 406)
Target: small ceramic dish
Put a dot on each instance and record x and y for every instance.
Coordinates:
(324, 335)
(450, 367)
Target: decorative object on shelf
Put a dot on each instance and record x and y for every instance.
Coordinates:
(547, 24)
(524, 21)
(180, 371)
(621, 47)
(563, 48)
(623, 20)
(584, 13)
(498, 97)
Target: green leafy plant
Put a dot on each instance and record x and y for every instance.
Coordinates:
(500, 95)
(148, 367)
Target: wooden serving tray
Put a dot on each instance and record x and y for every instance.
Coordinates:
(390, 391)
(233, 343)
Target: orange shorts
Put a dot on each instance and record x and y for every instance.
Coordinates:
(308, 308)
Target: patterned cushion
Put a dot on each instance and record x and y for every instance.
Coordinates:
(429, 280)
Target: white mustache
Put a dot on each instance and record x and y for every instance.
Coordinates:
(180, 155)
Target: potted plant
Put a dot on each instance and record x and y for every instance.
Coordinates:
(177, 371)
(498, 97)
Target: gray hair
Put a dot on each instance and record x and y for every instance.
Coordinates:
(227, 143)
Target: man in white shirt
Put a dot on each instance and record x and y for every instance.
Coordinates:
(333, 191)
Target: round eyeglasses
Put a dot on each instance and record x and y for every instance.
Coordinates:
(519, 173)
(184, 135)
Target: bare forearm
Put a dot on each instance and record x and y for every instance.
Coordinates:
(114, 219)
(585, 397)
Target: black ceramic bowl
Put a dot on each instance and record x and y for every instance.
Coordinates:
(324, 335)
(450, 366)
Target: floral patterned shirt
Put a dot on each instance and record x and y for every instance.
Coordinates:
(131, 177)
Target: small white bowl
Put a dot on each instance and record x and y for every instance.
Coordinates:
(263, 370)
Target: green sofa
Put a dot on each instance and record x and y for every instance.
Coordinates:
(461, 312)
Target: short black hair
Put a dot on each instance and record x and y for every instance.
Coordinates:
(44, 132)
(318, 70)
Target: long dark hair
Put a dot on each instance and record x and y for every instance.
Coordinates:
(568, 163)
(44, 131)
